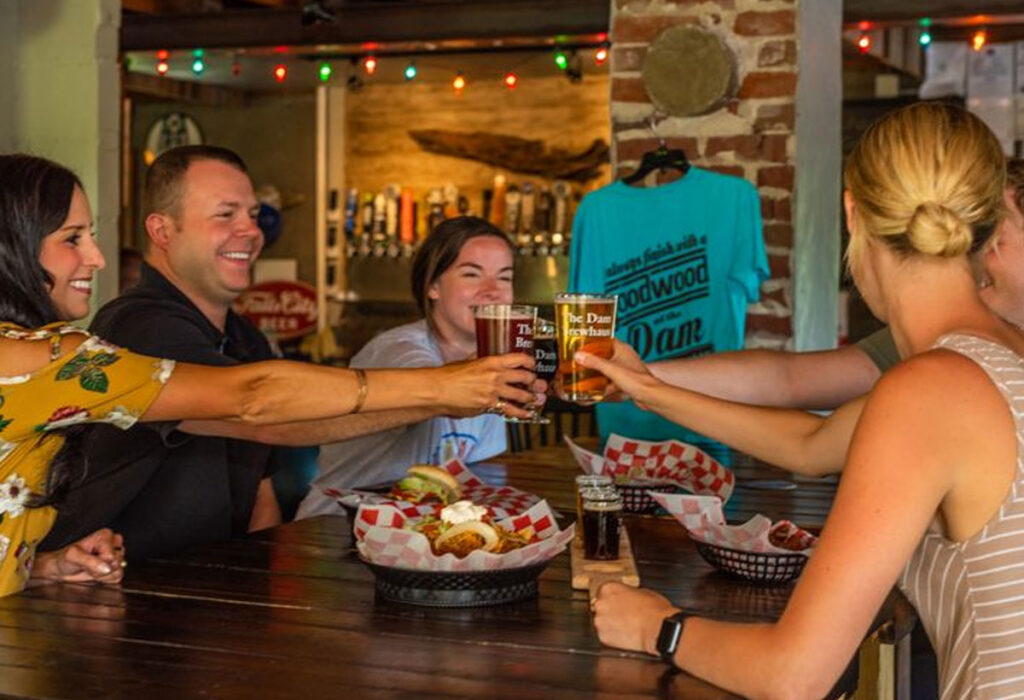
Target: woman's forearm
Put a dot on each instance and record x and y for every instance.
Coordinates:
(290, 391)
(278, 391)
(789, 438)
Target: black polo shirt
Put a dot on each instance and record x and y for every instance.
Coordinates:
(163, 489)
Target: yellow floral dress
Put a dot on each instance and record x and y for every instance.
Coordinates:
(97, 383)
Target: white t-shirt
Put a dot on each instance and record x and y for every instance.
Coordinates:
(383, 457)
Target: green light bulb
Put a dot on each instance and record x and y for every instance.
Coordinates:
(198, 66)
(925, 38)
(325, 72)
(410, 71)
(561, 61)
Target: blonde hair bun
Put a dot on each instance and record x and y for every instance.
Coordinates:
(935, 229)
(926, 179)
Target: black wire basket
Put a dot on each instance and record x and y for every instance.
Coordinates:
(761, 567)
(636, 500)
(456, 589)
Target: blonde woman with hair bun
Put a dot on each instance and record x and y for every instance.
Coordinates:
(932, 494)
(938, 190)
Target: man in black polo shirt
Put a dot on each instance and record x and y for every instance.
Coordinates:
(168, 487)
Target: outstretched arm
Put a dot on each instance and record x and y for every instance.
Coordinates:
(278, 391)
(809, 380)
(789, 438)
(312, 432)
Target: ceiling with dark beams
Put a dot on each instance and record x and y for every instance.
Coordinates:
(853, 10)
(887, 10)
(155, 24)
(268, 31)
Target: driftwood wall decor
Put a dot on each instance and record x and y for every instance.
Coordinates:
(516, 154)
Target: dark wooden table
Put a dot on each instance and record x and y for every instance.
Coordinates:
(290, 612)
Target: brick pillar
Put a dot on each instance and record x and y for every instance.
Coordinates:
(750, 136)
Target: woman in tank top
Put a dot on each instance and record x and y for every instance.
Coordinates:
(932, 495)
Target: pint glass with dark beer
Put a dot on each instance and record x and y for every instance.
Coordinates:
(584, 322)
(505, 328)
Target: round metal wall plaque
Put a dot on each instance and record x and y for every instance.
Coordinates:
(688, 71)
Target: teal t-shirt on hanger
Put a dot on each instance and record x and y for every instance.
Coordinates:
(685, 260)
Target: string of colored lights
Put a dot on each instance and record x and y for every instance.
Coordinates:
(566, 60)
(865, 43)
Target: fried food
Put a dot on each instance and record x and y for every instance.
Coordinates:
(468, 535)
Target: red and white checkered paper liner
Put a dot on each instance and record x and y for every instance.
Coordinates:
(671, 460)
(381, 539)
(702, 517)
(500, 501)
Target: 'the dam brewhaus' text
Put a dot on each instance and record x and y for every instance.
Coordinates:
(590, 325)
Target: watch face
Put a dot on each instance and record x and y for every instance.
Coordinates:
(668, 637)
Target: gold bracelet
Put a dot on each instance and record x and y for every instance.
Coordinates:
(364, 389)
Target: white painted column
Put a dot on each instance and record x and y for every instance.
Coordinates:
(818, 177)
(59, 72)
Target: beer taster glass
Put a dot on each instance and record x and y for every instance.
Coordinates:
(583, 483)
(602, 520)
(505, 328)
(545, 350)
(584, 322)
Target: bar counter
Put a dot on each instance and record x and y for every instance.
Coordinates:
(290, 612)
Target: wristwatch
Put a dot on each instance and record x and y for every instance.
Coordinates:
(669, 636)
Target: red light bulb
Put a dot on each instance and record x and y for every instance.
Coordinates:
(370, 65)
(511, 80)
(280, 72)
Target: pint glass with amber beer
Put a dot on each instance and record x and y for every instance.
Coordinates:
(584, 322)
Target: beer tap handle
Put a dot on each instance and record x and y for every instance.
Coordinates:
(351, 214)
(513, 199)
(528, 208)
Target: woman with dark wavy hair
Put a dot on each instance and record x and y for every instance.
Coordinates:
(55, 377)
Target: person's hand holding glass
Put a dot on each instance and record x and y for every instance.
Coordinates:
(508, 328)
